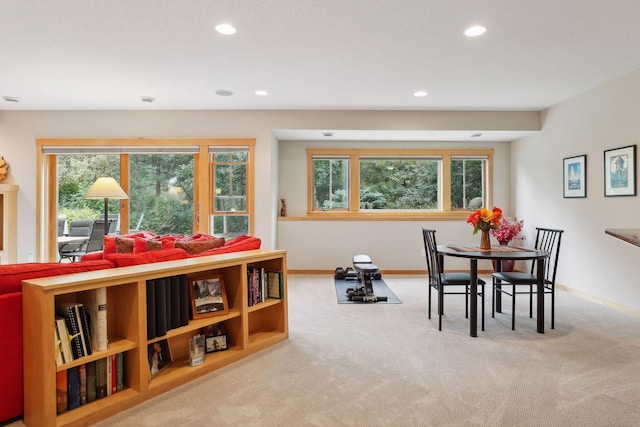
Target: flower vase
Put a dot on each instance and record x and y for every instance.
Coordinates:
(507, 264)
(485, 243)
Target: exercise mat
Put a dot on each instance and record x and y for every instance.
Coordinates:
(380, 289)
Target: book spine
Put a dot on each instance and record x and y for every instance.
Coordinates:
(108, 366)
(61, 391)
(175, 301)
(161, 308)
(120, 371)
(58, 345)
(151, 309)
(83, 383)
(84, 323)
(73, 387)
(91, 381)
(101, 378)
(99, 328)
(74, 333)
(184, 300)
(114, 374)
(167, 293)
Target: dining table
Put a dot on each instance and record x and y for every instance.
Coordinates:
(65, 240)
(473, 253)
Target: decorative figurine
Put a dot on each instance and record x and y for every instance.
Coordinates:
(283, 209)
(3, 169)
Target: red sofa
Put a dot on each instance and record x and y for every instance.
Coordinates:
(12, 275)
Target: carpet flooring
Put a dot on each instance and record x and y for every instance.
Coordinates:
(380, 289)
(389, 366)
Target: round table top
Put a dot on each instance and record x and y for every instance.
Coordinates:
(470, 250)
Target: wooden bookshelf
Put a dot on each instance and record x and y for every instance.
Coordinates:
(248, 329)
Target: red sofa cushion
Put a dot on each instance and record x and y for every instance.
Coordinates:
(11, 276)
(126, 260)
(11, 355)
(240, 243)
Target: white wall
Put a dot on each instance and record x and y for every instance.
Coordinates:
(20, 129)
(591, 261)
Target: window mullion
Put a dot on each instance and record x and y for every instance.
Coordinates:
(445, 182)
(354, 183)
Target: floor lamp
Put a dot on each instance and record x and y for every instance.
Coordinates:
(106, 188)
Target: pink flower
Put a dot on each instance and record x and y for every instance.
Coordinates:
(507, 231)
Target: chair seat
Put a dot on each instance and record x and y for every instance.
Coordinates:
(518, 278)
(457, 279)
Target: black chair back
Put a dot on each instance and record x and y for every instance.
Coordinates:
(548, 240)
(81, 227)
(96, 239)
(433, 261)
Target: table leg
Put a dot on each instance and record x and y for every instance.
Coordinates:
(498, 295)
(473, 316)
(540, 294)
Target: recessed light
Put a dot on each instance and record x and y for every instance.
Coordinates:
(420, 93)
(476, 30)
(476, 135)
(327, 134)
(224, 92)
(149, 99)
(11, 99)
(261, 92)
(226, 29)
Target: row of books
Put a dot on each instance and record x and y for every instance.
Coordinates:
(263, 284)
(88, 382)
(81, 327)
(168, 304)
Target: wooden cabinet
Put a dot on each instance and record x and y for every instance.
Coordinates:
(249, 329)
(8, 223)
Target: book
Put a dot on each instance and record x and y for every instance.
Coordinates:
(174, 284)
(73, 387)
(161, 308)
(65, 340)
(83, 383)
(101, 378)
(67, 310)
(85, 335)
(274, 281)
(95, 305)
(109, 375)
(91, 381)
(185, 304)
(167, 293)
(114, 374)
(120, 371)
(61, 391)
(151, 309)
(58, 346)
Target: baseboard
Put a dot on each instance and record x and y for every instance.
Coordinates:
(405, 272)
(597, 300)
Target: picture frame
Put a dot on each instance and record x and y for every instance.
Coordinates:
(215, 338)
(574, 173)
(620, 171)
(208, 297)
(159, 354)
(215, 343)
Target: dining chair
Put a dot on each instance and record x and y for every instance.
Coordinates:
(446, 283)
(514, 283)
(75, 249)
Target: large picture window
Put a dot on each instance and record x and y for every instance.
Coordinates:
(398, 182)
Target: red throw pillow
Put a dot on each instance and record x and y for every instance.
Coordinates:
(144, 245)
(198, 246)
(124, 245)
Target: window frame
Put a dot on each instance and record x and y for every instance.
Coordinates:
(47, 151)
(354, 212)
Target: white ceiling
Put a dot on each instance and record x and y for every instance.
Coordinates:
(311, 54)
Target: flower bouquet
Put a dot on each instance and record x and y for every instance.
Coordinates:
(507, 231)
(484, 220)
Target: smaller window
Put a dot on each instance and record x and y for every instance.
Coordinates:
(468, 183)
(330, 184)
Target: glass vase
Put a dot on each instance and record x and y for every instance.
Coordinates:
(485, 242)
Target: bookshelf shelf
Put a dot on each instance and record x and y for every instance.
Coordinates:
(248, 330)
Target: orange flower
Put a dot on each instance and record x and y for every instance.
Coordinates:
(485, 219)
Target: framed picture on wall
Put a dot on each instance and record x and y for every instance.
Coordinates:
(620, 171)
(575, 176)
